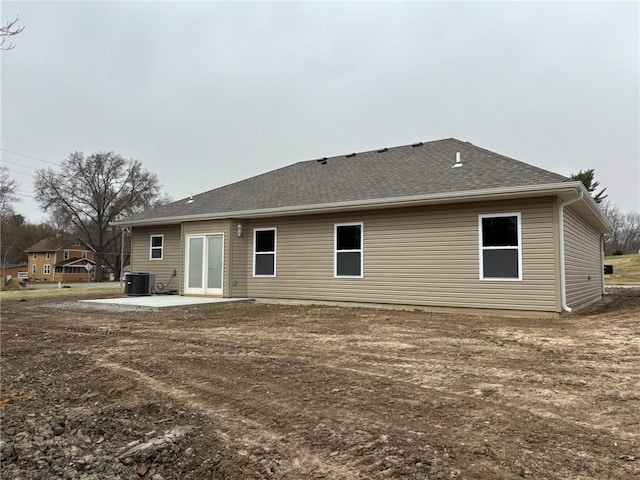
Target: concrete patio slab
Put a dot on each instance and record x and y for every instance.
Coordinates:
(163, 301)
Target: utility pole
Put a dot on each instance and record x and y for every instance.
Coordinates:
(4, 264)
(4, 260)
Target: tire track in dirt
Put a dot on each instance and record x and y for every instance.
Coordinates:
(261, 436)
(348, 393)
(542, 407)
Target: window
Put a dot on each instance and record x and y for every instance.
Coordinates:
(85, 254)
(348, 250)
(65, 255)
(47, 255)
(156, 246)
(34, 269)
(500, 247)
(71, 269)
(46, 269)
(34, 255)
(264, 252)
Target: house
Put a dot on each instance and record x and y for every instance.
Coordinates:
(60, 260)
(437, 224)
(13, 270)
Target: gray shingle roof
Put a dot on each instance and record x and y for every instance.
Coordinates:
(419, 169)
(55, 244)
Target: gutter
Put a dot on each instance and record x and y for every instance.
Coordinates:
(563, 286)
(406, 201)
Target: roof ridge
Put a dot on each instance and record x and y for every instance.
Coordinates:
(520, 162)
(55, 243)
(315, 160)
(379, 150)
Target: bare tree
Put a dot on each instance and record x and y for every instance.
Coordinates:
(626, 230)
(632, 237)
(89, 193)
(8, 30)
(7, 192)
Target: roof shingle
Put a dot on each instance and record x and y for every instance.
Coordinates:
(53, 244)
(417, 169)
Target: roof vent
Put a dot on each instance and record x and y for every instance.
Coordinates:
(322, 161)
(382, 150)
(458, 161)
(190, 199)
(350, 155)
(419, 144)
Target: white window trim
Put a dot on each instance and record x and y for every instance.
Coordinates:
(65, 255)
(152, 248)
(85, 254)
(482, 248)
(47, 255)
(34, 269)
(34, 255)
(274, 253)
(46, 269)
(360, 250)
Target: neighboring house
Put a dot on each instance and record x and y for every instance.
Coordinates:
(15, 270)
(436, 224)
(60, 260)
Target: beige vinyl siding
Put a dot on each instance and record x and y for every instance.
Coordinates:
(241, 263)
(583, 260)
(171, 256)
(418, 256)
(210, 228)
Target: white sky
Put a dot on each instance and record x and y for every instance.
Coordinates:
(207, 93)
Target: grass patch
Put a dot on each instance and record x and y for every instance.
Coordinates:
(61, 293)
(501, 342)
(626, 269)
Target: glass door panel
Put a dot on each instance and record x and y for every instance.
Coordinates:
(214, 264)
(196, 258)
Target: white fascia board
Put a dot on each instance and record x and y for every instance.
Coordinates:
(392, 202)
(596, 210)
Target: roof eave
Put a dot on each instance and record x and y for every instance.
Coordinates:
(593, 211)
(393, 202)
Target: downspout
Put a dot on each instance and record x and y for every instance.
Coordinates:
(602, 263)
(122, 258)
(563, 286)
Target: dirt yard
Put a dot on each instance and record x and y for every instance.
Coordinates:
(294, 392)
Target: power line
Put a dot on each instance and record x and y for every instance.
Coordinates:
(19, 164)
(25, 195)
(13, 170)
(181, 192)
(33, 146)
(30, 156)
